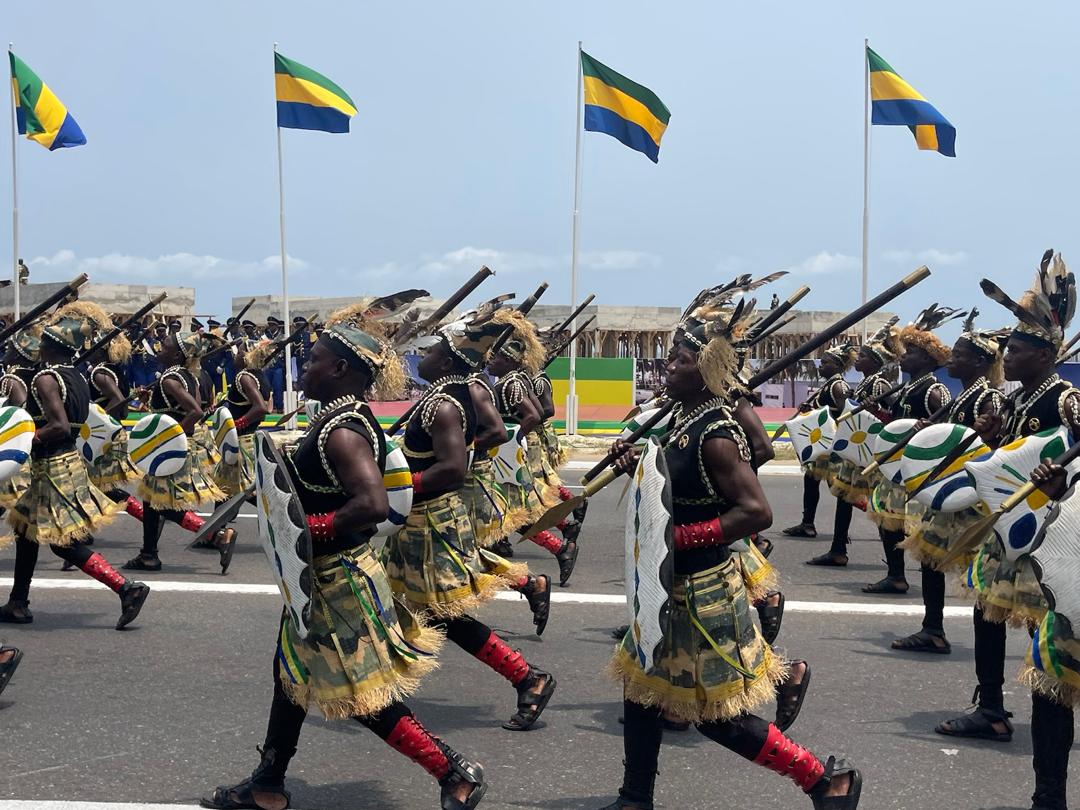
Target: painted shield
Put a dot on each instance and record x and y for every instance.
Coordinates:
(158, 445)
(283, 533)
(226, 438)
(649, 535)
(16, 435)
(658, 429)
(855, 436)
(510, 459)
(812, 435)
(398, 482)
(96, 434)
(887, 438)
(953, 489)
(999, 474)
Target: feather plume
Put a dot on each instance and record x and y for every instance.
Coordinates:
(934, 316)
(883, 334)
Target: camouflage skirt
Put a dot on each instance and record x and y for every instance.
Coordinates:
(934, 536)
(356, 660)
(523, 503)
(821, 469)
(485, 502)
(851, 485)
(545, 477)
(434, 565)
(714, 665)
(207, 449)
(61, 505)
(12, 489)
(235, 478)
(556, 454)
(759, 576)
(1005, 591)
(1052, 665)
(114, 468)
(186, 489)
(890, 510)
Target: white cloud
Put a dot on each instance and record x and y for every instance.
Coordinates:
(470, 258)
(172, 268)
(931, 256)
(823, 263)
(619, 260)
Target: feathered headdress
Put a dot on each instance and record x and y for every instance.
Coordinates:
(844, 355)
(920, 331)
(1045, 310)
(523, 346)
(884, 344)
(990, 343)
(372, 314)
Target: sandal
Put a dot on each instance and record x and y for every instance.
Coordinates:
(764, 545)
(802, 530)
(461, 770)
(829, 559)
(979, 725)
(579, 513)
(922, 642)
(887, 585)
(242, 796)
(132, 597)
(225, 542)
(8, 668)
(619, 633)
(504, 548)
(849, 801)
(530, 704)
(570, 531)
(16, 611)
(539, 600)
(770, 618)
(789, 699)
(567, 557)
(143, 563)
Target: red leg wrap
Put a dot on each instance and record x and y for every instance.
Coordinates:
(562, 525)
(509, 663)
(191, 522)
(133, 506)
(414, 741)
(785, 757)
(523, 582)
(565, 494)
(547, 540)
(98, 568)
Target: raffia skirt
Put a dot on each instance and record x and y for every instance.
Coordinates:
(114, 468)
(890, 509)
(435, 566)
(556, 453)
(714, 664)
(186, 489)
(1052, 664)
(758, 574)
(1005, 591)
(61, 506)
(820, 469)
(356, 660)
(934, 536)
(12, 489)
(851, 485)
(485, 502)
(545, 477)
(523, 504)
(204, 438)
(235, 478)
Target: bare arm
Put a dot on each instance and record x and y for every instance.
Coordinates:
(527, 414)
(57, 425)
(354, 464)
(193, 412)
(490, 430)
(734, 479)
(16, 394)
(760, 444)
(448, 440)
(257, 411)
(840, 392)
(547, 405)
(937, 397)
(115, 402)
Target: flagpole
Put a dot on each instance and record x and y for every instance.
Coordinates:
(571, 399)
(14, 198)
(866, 181)
(289, 403)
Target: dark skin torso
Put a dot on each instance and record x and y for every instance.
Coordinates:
(257, 411)
(490, 430)
(760, 442)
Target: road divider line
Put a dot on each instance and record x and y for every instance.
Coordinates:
(768, 469)
(568, 597)
(14, 804)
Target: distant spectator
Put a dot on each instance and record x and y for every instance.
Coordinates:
(775, 302)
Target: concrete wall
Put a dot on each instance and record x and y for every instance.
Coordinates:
(122, 299)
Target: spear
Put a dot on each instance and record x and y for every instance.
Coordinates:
(598, 477)
(88, 353)
(60, 296)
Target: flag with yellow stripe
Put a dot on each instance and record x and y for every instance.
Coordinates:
(309, 100)
(623, 108)
(39, 114)
(897, 103)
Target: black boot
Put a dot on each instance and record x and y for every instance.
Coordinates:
(636, 792)
(461, 771)
(849, 801)
(268, 777)
(504, 548)
(567, 557)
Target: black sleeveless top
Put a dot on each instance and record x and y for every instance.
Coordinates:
(541, 385)
(238, 401)
(119, 377)
(74, 393)
(418, 446)
(14, 376)
(823, 397)
(970, 402)
(913, 401)
(693, 497)
(316, 483)
(1044, 410)
(511, 390)
(159, 400)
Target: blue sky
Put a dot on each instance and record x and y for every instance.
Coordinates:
(462, 151)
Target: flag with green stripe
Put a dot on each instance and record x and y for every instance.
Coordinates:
(309, 100)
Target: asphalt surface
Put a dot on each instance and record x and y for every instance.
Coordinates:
(165, 711)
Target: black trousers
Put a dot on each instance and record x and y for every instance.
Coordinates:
(933, 598)
(26, 556)
(842, 521)
(990, 664)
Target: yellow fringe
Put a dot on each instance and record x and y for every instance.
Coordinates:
(731, 702)
(51, 535)
(761, 583)
(1052, 688)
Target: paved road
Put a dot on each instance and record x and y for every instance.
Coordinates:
(163, 712)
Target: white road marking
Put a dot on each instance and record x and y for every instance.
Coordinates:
(770, 469)
(41, 805)
(569, 597)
